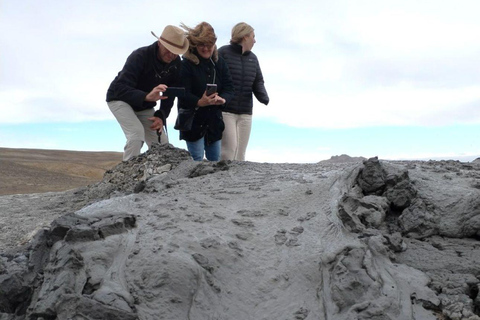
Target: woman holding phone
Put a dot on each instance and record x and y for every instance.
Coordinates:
(247, 78)
(202, 70)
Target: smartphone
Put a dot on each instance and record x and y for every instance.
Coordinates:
(211, 88)
(174, 92)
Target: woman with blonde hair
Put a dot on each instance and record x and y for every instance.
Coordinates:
(201, 65)
(247, 79)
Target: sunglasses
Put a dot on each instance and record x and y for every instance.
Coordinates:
(205, 46)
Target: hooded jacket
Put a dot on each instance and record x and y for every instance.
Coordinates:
(247, 78)
(141, 73)
(196, 72)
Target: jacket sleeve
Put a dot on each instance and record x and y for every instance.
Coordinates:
(124, 88)
(259, 87)
(167, 104)
(228, 90)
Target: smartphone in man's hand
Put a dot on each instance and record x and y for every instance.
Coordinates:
(174, 92)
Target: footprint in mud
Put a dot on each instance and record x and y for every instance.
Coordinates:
(244, 236)
(203, 262)
(251, 213)
(308, 216)
(292, 242)
(297, 230)
(210, 243)
(302, 313)
(235, 247)
(281, 237)
(290, 239)
(243, 223)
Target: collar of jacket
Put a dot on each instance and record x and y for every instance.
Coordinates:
(193, 57)
(239, 49)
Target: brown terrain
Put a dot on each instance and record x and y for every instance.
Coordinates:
(24, 171)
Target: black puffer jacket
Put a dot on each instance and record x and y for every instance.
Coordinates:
(196, 73)
(141, 73)
(247, 78)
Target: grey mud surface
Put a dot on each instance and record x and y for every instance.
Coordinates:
(163, 237)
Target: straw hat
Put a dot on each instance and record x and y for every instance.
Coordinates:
(174, 39)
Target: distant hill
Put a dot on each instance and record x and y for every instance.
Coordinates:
(343, 158)
(37, 170)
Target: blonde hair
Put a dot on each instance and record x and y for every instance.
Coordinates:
(239, 31)
(203, 33)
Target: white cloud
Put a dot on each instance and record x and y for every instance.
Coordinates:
(327, 64)
(377, 65)
(390, 106)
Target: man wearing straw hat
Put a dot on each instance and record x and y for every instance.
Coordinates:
(134, 92)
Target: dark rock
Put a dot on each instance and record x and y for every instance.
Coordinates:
(400, 192)
(371, 178)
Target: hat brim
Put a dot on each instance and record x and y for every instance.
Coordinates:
(175, 49)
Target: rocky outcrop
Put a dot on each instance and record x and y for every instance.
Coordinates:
(164, 237)
(426, 214)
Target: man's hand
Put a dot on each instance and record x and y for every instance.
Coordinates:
(157, 124)
(154, 95)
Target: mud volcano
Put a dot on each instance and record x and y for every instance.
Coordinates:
(164, 237)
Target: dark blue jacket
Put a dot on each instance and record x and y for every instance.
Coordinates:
(247, 78)
(141, 73)
(196, 73)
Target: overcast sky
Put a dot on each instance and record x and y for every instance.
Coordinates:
(394, 79)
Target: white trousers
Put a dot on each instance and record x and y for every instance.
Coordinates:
(136, 127)
(236, 135)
